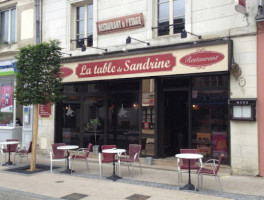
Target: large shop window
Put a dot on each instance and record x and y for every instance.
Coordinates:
(84, 25)
(8, 26)
(123, 113)
(171, 16)
(210, 122)
(148, 117)
(7, 107)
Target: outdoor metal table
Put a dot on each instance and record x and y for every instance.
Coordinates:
(114, 151)
(189, 156)
(68, 147)
(8, 143)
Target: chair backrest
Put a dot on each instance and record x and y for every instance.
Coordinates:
(219, 163)
(108, 156)
(58, 153)
(88, 150)
(185, 162)
(13, 147)
(29, 147)
(134, 149)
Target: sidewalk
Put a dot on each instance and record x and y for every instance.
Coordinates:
(153, 183)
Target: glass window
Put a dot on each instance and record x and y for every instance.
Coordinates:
(148, 118)
(210, 115)
(6, 101)
(123, 110)
(8, 26)
(84, 25)
(167, 20)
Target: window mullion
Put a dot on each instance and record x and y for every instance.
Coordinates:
(171, 17)
(85, 23)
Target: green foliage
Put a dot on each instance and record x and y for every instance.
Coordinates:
(93, 124)
(38, 77)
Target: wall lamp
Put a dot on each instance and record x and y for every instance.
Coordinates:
(184, 34)
(83, 46)
(128, 40)
(66, 53)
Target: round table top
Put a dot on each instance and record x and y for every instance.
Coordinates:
(9, 142)
(67, 147)
(189, 155)
(114, 150)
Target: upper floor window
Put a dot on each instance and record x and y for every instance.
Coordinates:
(84, 25)
(8, 26)
(171, 16)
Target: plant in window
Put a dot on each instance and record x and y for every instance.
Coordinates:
(93, 125)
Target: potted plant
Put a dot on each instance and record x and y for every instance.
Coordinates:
(93, 124)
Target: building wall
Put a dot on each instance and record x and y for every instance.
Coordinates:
(244, 135)
(210, 19)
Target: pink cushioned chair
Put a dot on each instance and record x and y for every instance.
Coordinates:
(23, 152)
(134, 152)
(57, 154)
(13, 148)
(183, 164)
(82, 154)
(107, 158)
(214, 165)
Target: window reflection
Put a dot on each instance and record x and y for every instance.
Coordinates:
(210, 115)
(123, 114)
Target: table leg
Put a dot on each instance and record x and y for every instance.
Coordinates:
(188, 186)
(68, 171)
(9, 161)
(114, 177)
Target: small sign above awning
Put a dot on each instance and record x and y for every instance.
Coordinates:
(120, 23)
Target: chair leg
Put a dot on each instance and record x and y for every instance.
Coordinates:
(197, 183)
(140, 166)
(72, 165)
(100, 169)
(217, 178)
(86, 161)
(51, 167)
(179, 178)
(128, 167)
(119, 168)
(28, 159)
(201, 180)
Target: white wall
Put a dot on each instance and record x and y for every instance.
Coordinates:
(244, 135)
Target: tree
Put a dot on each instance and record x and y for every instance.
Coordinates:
(38, 81)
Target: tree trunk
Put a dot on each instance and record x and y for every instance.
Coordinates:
(34, 139)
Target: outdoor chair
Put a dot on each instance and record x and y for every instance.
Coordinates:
(107, 158)
(13, 148)
(214, 165)
(82, 154)
(134, 152)
(183, 164)
(23, 152)
(57, 155)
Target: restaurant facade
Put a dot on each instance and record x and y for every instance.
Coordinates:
(186, 81)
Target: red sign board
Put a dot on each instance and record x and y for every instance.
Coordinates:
(202, 58)
(120, 23)
(145, 64)
(45, 110)
(66, 71)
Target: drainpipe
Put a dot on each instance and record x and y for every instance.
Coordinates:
(38, 16)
